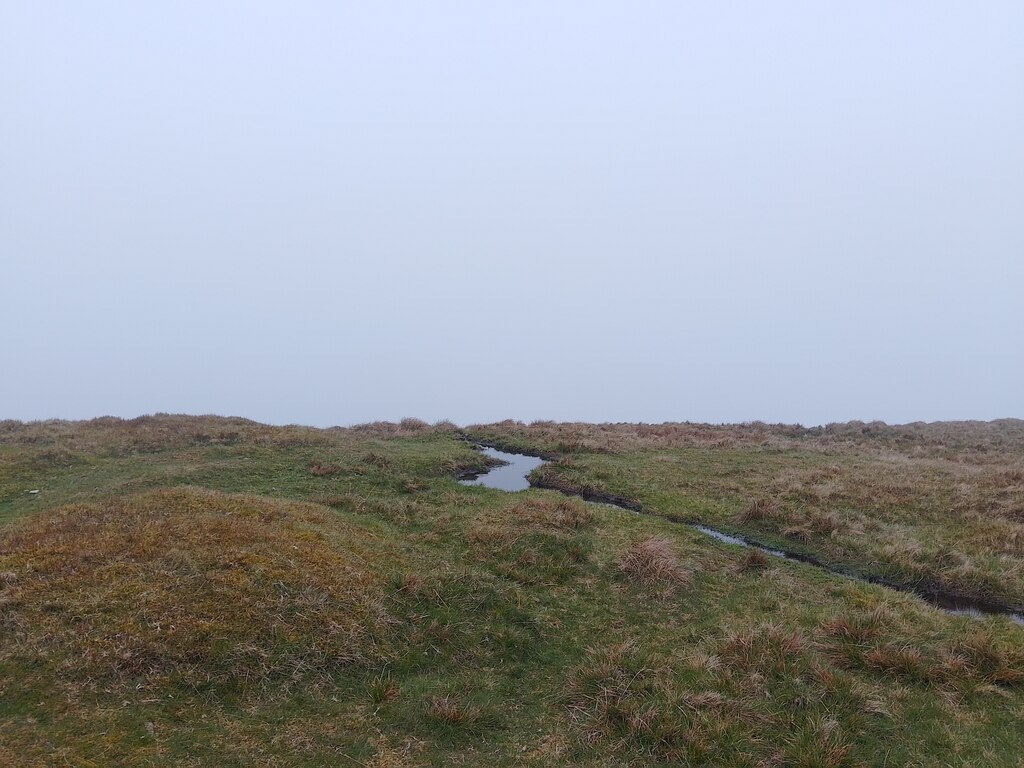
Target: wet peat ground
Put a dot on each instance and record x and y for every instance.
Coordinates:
(513, 475)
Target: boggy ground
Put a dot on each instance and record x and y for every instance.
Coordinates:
(930, 506)
(206, 591)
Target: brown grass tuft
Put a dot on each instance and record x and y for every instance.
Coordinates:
(990, 658)
(754, 560)
(375, 459)
(797, 533)
(319, 469)
(900, 660)
(565, 514)
(451, 711)
(858, 628)
(760, 509)
(653, 562)
(765, 649)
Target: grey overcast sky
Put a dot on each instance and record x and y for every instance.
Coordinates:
(336, 212)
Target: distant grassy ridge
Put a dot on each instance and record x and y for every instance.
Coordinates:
(209, 591)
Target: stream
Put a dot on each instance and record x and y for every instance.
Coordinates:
(512, 475)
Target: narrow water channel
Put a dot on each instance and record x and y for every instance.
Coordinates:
(513, 475)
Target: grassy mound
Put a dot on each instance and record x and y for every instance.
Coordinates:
(192, 586)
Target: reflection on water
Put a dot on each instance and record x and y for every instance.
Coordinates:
(510, 476)
(725, 538)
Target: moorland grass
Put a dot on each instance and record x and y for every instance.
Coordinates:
(207, 591)
(936, 507)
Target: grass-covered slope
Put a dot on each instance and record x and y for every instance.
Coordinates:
(205, 591)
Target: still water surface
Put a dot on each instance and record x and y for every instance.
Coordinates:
(510, 476)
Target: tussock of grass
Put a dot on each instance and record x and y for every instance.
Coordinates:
(653, 562)
(856, 628)
(971, 658)
(905, 661)
(194, 586)
(766, 649)
(754, 560)
(319, 469)
(760, 509)
(990, 658)
(375, 459)
(454, 713)
(818, 743)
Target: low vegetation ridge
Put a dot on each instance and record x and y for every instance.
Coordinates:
(180, 590)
